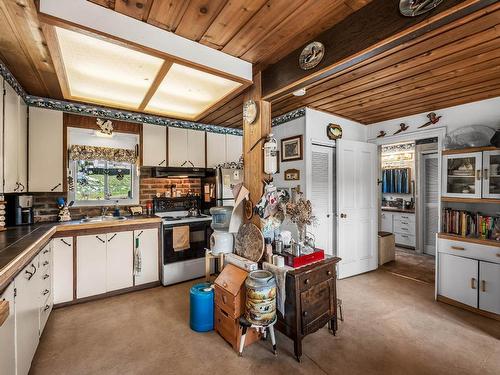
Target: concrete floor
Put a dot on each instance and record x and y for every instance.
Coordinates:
(392, 326)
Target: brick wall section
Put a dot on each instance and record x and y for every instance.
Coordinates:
(46, 208)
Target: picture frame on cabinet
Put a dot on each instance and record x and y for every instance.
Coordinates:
(291, 148)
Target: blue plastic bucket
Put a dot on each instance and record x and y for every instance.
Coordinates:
(201, 308)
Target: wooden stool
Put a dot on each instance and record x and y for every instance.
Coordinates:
(208, 257)
(245, 324)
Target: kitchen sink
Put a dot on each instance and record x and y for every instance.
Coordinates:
(102, 218)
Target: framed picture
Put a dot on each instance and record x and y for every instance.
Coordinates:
(292, 175)
(291, 148)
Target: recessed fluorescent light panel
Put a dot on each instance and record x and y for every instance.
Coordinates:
(105, 73)
(187, 92)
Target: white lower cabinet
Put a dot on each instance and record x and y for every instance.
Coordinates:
(458, 278)
(386, 223)
(489, 287)
(46, 291)
(62, 249)
(147, 242)
(104, 263)
(90, 265)
(8, 335)
(27, 307)
(119, 261)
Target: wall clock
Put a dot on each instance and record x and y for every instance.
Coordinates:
(334, 131)
(249, 111)
(311, 55)
(413, 8)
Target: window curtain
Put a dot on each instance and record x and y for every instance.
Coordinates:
(120, 155)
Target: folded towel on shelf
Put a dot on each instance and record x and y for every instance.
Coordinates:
(280, 276)
(180, 238)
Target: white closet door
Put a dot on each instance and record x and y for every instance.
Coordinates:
(154, 145)
(356, 176)
(321, 196)
(489, 287)
(430, 196)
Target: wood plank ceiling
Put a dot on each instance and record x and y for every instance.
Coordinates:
(456, 64)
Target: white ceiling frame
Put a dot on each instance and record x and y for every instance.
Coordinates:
(114, 24)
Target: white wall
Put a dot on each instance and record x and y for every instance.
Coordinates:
(317, 121)
(484, 112)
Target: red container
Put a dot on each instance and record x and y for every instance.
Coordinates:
(302, 260)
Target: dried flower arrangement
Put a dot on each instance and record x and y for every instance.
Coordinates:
(300, 213)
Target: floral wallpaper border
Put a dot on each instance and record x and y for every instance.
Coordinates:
(301, 112)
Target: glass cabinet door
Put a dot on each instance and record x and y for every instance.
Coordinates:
(491, 174)
(462, 174)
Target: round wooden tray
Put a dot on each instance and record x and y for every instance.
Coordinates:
(249, 242)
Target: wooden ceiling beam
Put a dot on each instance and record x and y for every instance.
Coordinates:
(162, 72)
(374, 29)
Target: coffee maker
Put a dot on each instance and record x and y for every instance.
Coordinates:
(19, 210)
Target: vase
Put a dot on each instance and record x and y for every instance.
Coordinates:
(301, 230)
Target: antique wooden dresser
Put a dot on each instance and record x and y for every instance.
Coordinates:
(311, 301)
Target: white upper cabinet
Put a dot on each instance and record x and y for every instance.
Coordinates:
(154, 145)
(186, 148)
(491, 174)
(45, 150)
(216, 149)
(462, 175)
(15, 142)
(234, 148)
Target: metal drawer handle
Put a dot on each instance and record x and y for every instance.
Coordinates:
(161, 162)
(404, 217)
(55, 187)
(46, 263)
(65, 242)
(46, 308)
(485, 173)
(404, 228)
(306, 281)
(100, 239)
(304, 313)
(45, 251)
(224, 299)
(404, 236)
(457, 248)
(473, 283)
(30, 274)
(45, 292)
(483, 285)
(478, 174)
(45, 277)
(113, 236)
(329, 273)
(404, 222)
(141, 232)
(224, 284)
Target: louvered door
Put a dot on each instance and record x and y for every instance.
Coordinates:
(431, 202)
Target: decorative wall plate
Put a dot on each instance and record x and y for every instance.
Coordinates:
(334, 131)
(413, 8)
(249, 111)
(311, 55)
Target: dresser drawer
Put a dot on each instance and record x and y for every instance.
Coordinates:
(404, 227)
(404, 239)
(234, 305)
(469, 250)
(316, 276)
(408, 217)
(317, 306)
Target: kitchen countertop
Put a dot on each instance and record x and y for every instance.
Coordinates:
(397, 209)
(18, 245)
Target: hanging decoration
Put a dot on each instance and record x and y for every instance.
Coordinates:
(105, 126)
(402, 127)
(334, 131)
(381, 134)
(433, 119)
(413, 8)
(311, 55)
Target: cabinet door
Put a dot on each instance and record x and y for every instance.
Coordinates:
(27, 284)
(1, 124)
(8, 335)
(90, 265)
(489, 287)
(196, 148)
(119, 260)
(148, 250)
(386, 222)
(11, 127)
(491, 174)
(177, 147)
(45, 150)
(22, 147)
(458, 278)
(154, 145)
(234, 148)
(63, 269)
(216, 149)
(462, 175)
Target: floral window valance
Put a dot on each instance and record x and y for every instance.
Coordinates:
(80, 152)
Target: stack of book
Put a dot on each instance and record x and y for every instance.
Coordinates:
(468, 224)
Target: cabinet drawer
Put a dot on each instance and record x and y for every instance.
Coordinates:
(404, 227)
(404, 217)
(228, 302)
(469, 250)
(309, 279)
(317, 306)
(404, 239)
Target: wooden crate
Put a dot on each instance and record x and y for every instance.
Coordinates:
(231, 331)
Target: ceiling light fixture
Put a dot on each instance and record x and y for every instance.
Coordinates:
(299, 92)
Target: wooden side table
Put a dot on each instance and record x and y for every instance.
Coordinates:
(311, 301)
(208, 260)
